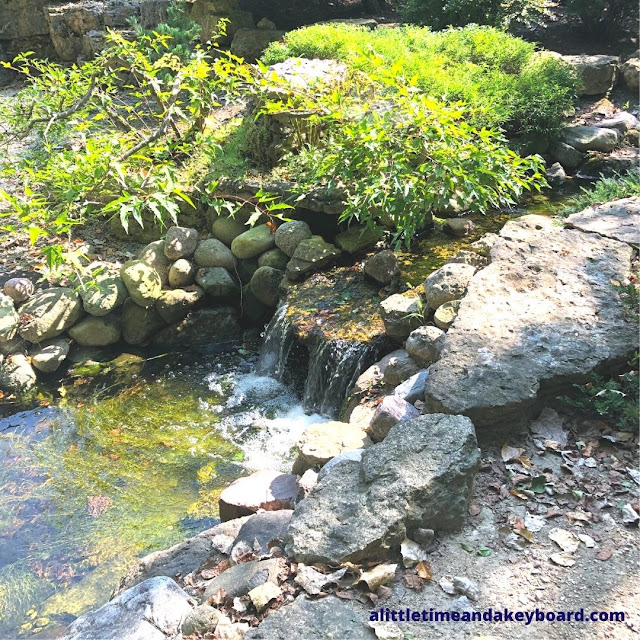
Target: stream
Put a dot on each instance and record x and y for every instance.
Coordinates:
(127, 456)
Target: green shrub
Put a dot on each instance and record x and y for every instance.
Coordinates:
(622, 185)
(458, 13)
(502, 79)
(603, 19)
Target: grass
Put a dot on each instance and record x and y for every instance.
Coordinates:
(503, 80)
(622, 185)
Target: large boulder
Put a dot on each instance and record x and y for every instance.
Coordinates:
(619, 220)
(447, 283)
(152, 610)
(585, 138)
(213, 253)
(630, 71)
(420, 476)
(541, 316)
(216, 282)
(401, 314)
(16, 374)
(253, 242)
(103, 296)
(9, 319)
(290, 234)
(50, 313)
(200, 328)
(265, 285)
(180, 242)
(96, 331)
(304, 619)
(598, 73)
(142, 282)
(569, 157)
(356, 238)
(325, 440)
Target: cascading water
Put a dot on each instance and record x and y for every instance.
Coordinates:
(334, 364)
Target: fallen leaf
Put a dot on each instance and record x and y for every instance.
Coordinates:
(262, 595)
(413, 581)
(484, 552)
(588, 541)
(412, 553)
(579, 516)
(534, 522)
(218, 597)
(525, 461)
(384, 593)
(446, 584)
(312, 581)
(474, 509)
(518, 494)
(423, 569)
(526, 534)
(604, 554)
(563, 559)
(510, 454)
(345, 595)
(382, 574)
(566, 540)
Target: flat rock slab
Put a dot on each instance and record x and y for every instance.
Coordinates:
(420, 476)
(619, 220)
(540, 317)
(268, 490)
(306, 619)
(152, 610)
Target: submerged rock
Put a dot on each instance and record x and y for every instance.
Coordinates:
(50, 313)
(200, 328)
(305, 619)
(542, 315)
(152, 610)
(420, 476)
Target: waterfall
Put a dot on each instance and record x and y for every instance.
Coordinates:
(334, 365)
(278, 341)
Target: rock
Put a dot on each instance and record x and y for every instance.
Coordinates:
(103, 296)
(253, 311)
(420, 476)
(253, 242)
(622, 122)
(325, 440)
(216, 282)
(274, 258)
(96, 331)
(382, 267)
(401, 367)
(459, 227)
(265, 285)
(311, 255)
(569, 157)
(265, 23)
(268, 490)
(200, 328)
(227, 229)
(539, 317)
(290, 234)
(447, 283)
(261, 530)
(424, 344)
(16, 374)
(210, 546)
(182, 273)
(619, 220)
(305, 619)
(556, 175)
(50, 313)
(139, 324)
(356, 238)
(445, 314)
(352, 455)
(174, 306)
(48, 356)
(245, 270)
(241, 578)
(152, 610)
(630, 72)
(263, 595)
(598, 73)
(12, 346)
(9, 319)
(591, 138)
(153, 255)
(412, 389)
(18, 289)
(200, 620)
(391, 411)
(142, 282)
(180, 242)
(483, 245)
(250, 44)
(401, 314)
(213, 253)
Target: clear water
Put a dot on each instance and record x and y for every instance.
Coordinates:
(123, 464)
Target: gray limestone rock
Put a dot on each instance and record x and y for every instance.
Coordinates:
(619, 220)
(447, 283)
(425, 344)
(401, 314)
(382, 267)
(585, 138)
(401, 367)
